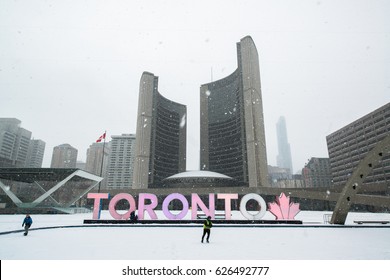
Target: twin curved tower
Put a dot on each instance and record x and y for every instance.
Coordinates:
(232, 123)
(160, 147)
(231, 127)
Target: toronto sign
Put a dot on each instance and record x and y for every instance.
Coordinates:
(282, 209)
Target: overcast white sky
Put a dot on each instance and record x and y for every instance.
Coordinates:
(69, 70)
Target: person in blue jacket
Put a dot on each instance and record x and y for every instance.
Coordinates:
(27, 222)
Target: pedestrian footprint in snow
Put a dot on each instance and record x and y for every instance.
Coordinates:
(207, 225)
(27, 222)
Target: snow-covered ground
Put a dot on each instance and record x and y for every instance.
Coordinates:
(62, 247)
(313, 240)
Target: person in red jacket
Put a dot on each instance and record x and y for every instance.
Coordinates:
(207, 225)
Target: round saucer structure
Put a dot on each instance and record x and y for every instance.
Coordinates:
(198, 178)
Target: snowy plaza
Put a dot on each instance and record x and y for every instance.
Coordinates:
(63, 243)
(65, 237)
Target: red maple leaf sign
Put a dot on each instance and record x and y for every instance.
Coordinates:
(282, 209)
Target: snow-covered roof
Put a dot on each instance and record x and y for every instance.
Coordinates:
(198, 174)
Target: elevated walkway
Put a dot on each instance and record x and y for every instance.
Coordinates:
(44, 190)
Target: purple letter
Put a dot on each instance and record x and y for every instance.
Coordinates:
(196, 201)
(166, 202)
(149, 207)
(228, 197)
(97, 207)
(114, 202)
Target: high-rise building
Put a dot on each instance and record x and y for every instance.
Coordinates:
(350, 144)
(121, 161)
(283, 160)
(161, 136)
(14, 143)
(232, 124)
(64, 156)
(95, 160)
(316, 173)
(35, 154)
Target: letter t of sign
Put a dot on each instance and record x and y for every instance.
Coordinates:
(227, 197)
(97, 207)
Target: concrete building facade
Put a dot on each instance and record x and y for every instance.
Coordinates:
(316, 173)
(161, 136)
(64, 156)
(232, 136)
(349, 145)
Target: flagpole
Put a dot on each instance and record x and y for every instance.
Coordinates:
(101, 166)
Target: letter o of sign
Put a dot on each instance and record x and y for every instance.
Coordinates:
(115, 200)
(259, 199)
(166, 202)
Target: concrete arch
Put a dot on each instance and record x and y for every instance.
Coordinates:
(348, 194)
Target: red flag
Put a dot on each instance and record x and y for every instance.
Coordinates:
(101, 138)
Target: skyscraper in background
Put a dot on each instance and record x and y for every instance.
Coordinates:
(232, 124)
(64, 156)
(283, 159)
(35, 153)
(16, 147)
(95, 160)
(121, 161)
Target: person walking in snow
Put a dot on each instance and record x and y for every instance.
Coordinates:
(27, 222)
(207, 225)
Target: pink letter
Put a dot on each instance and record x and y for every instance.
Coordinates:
(166, 202)
(149, 208)
(114, 202)
(196, 201)
(228, 197)
(97, 207)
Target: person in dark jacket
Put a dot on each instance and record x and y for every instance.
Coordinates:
(27, 222)
(207, 225)
(133, 217)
